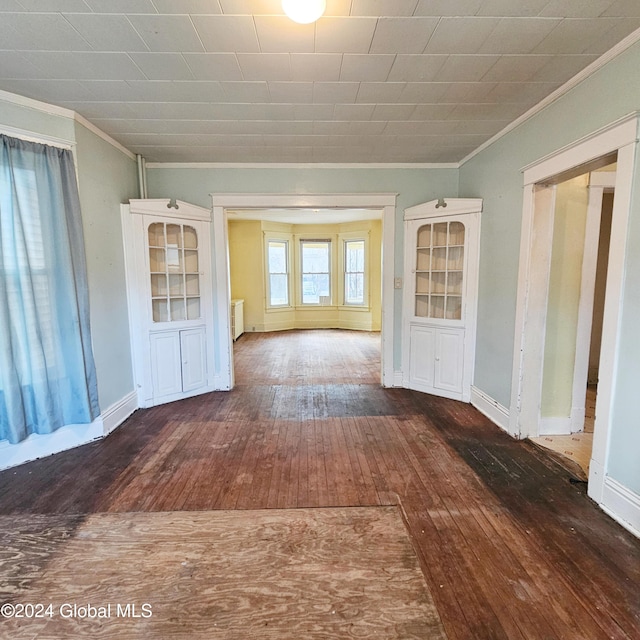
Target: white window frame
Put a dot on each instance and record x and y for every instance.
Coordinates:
(287, 240)
(331, 241)
(343, 239)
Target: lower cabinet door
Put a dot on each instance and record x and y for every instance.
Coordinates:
(421, 369)
(194, 362)
(166, 368)
(449, 359)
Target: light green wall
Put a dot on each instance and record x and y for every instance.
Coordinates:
(413, 186)
(106, 178)
(36, 121)
(495, 175)
(569, 226)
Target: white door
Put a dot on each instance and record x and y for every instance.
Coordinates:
(440, 297)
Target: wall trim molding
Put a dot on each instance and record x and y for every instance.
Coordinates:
(101, 134)
(587, 72)
(45, 107)
(622, 504)
(492, 409)
(555, 426)
(41, 138)
(302, 165)
(119, 411)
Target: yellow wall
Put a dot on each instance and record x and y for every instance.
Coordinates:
(248, 278)
(564, 296)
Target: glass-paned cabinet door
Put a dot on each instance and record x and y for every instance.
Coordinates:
(439, 270)
(174, 271)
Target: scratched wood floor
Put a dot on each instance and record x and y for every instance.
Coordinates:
(509, 546)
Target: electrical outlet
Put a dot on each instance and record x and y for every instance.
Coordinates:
(397, 283)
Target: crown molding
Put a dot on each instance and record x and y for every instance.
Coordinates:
(101, 134)
(300, 165)
(588, 71)
(30, 103)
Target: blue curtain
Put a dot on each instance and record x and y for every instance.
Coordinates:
(47, 372)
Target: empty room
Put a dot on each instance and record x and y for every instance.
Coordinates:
(318, 319)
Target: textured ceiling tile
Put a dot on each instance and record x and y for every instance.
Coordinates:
(213, 66)
(162, 66)
(316, 66)
(524, 8)
(15, 65)
(432, 111)
(265, 66)
(335, 92)
(422, 92)
(344, 35)
(416, 68)
(575, 35)
(50, 90)
(39, 32)
(13, 6)
(292, 92)
(447, 7)
(339, 128)
(107, 33)
(162, 91)
(85, 65)
(487, 111)
(167, 33)
(467, 91)
(617, 33)
(518, 35)
(575, 8)
(514, 68)
(562, 67)
(393, 111)
(402, 35)
(465, 68)
(355, 112)
(108, 90)
(383, 7)
(385, 92)
(227, 33)
(366, 67)
(251, 7)
(624, 8)
(278, 34)
(460, 35)
(246, 92)
(187, 6)
(313, 111)
(62, 6)
(121, 6)
(92, 110)
(417, 127)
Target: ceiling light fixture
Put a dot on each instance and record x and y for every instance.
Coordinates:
(304, 11)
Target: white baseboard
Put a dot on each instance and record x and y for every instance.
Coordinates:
(622, 504)
(555, 427)
(398, 379)
(118, 412)
(67, 437)
(491, 408)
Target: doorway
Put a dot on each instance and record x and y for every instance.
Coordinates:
(575, 311)
(614, 143)
(224, 203)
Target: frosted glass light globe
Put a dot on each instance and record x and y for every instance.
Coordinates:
(304, 11)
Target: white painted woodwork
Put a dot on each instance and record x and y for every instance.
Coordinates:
(237, 318)
(438, 352)
(172, 354)
(524, 415)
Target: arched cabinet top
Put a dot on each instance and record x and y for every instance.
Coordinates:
(165, 207)
(443, 207)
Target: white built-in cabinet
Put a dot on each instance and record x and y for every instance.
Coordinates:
(440, 296)
(168, 267)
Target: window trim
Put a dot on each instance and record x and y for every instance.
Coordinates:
(300, 240)
(286, 240)
(343, 239)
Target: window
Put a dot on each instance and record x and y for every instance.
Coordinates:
(354, 272)
(278, 268)
(315, 257)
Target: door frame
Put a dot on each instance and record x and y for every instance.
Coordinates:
(535, 254)
(386, 202)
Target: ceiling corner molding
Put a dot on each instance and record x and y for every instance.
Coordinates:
(45, 107)
(588, 71)
(101, 134)
(302, 165)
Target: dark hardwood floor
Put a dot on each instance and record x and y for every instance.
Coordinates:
(510, 548)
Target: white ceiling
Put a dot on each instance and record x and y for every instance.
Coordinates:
(236, 81)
